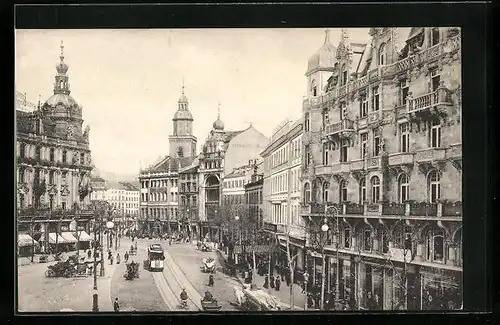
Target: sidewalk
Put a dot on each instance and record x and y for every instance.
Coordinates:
(283, 294)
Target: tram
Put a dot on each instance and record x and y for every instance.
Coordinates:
(156, 257)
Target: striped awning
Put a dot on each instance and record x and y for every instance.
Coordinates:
(83, 236)
(24, 240)
(53, 236)
(69, 238)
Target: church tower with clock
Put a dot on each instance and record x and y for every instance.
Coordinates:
(182, 142)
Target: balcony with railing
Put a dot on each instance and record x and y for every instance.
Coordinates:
(430, 154)
(400, 158)
(396, 209)
(357, 164)
(344, 126)
(452, 209)
(423, 209)
(323, 170)
(441, 96)
(340, 167)
(354, 208)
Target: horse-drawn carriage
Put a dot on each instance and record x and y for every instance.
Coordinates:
(202, 246)
(69, 268)
(132, 271)
(208, 265)
(133, 250)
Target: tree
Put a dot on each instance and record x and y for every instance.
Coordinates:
(292, 262)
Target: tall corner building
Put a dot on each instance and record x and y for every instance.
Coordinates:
(159, 198)
(382, 164)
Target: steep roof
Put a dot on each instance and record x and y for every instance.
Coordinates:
(190, 167)
(127, 186)
(171, 164)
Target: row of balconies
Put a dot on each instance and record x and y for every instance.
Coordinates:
(53, 213)
(395, 159)
(47, 163)
(346, 126)
(450, 45)
(410, 208)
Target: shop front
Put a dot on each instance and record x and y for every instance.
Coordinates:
(441, 289)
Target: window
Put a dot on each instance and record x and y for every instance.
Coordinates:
(326, 185)
(306, 122)
(307, 193)
(375, 182)
(438, 246)
(367, 240)
(63, 205)
(82, 158)
(344, 75)
(347, 238)
(404, 137)
(364, 144)
(362, 190)
(51, 177)
(22, 174)
(344, 150)
(403, 92)
(435, 134)
(384, 240)
(363, 106)
(343, 110)
(375, 99)
(314, 88)
(325, 154)
(308, 155)
(434, 36)
(38, 153)
(434, 186)
(382, 55)
(52, 154)
(325, 117)
(343, 191)
(435, 79)
(376, 143)
(404, 188)
(22, 150)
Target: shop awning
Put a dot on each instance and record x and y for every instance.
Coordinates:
(52, 238)
(24, 240)
(83, 236)
(69, 237)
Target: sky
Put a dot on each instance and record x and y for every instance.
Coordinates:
(129, 81)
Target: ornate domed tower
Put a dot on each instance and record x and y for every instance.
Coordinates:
(61, 107)
(182, 143)
(320, 67)
(218, 125)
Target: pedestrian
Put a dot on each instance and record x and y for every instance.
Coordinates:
(246, 276)
(266, 282)
(117, 258)
(116, 305)
(288, 278)
(377, 302)
(210, 280)
(278, 283)
(272, 281)
(111, 260)
(351, 303)
(282, 271)
(370, 302)
(136, 246)
(110, 255)
(126, 256)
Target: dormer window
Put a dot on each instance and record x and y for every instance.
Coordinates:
(382, 55)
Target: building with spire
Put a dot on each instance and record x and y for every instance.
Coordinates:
(222, 152)
(53, 164)
(382, 168)
(159, 198)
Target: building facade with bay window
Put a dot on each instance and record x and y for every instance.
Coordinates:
(382, 144)
(53, 169)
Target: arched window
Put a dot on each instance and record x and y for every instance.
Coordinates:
(314, 88)
(52, 154)
(64, 156)
(344, 74)
(434, 36)
(367, 239)
(434, 186)
(362, 190)
(375, 182)
(326, 185)
(435, 245)
(38, 153)
(403, 188)
(343, 191)
(22, 150)
(382, 55)
(307, 193)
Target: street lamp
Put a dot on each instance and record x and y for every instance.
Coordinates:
(324, 229)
